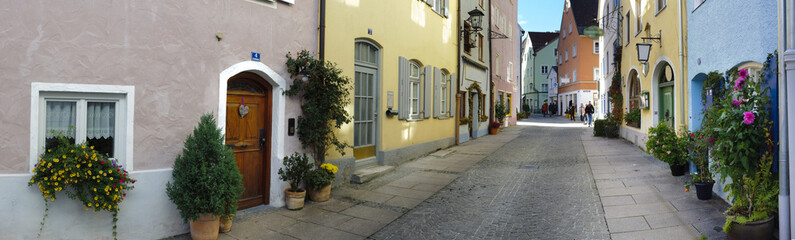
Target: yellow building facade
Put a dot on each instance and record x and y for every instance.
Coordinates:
(401, 57)
(654, 86)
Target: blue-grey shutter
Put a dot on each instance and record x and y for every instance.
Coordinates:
(446, 8)
(451, 86)
(403, 88)
(428, 92)
(437, 94)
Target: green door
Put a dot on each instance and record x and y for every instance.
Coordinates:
(666, 112)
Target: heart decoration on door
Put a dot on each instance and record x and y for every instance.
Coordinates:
(243, 109)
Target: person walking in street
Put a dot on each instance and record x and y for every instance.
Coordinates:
(589, 113)
(582, 114)
(572, 111)
(544, 110)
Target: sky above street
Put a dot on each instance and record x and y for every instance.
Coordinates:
(540, 15)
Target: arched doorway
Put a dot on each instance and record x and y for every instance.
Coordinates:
(248, 132)
(666, 89)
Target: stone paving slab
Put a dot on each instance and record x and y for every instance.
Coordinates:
(640, 189)
(676, 232)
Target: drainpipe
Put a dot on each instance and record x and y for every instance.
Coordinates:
(491, 67)
(681, 64)
(460, 73)
(322, 31)
(786, 68)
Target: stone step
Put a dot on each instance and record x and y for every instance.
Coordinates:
(365, 163)
(366, 174)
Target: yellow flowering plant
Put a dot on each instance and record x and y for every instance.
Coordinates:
(321, 176)
(83, 174)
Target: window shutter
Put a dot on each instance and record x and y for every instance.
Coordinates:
(403, 88)
(426, 100)
(451, 85)
(446, 8)
(437, 95)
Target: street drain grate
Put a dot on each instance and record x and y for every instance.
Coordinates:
(531, 167)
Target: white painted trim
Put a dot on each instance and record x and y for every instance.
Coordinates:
(653, 92)
(278, 125)
(37, 87)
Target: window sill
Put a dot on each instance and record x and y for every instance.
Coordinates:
(660, 10)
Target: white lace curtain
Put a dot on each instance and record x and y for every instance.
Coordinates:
(60, 119)
(100, 120)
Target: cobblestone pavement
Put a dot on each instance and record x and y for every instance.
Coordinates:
(489, 188)
(495, 199)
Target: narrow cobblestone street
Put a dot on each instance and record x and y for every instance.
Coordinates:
(547, 178)
(496, 199)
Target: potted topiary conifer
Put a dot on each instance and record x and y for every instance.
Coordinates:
(206, 181)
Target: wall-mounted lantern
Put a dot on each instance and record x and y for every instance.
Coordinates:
(471, 25)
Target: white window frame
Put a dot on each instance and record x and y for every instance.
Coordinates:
(638, 14)
(626, 36)
(556, 52)
(544, 87)
(564, 33)
(574, 51)
(544, 69)
(574, 76)
(596, 47)
(659, 6)
(567, 55)
(414, 81)
(569, 27)
(509, 71)
(122, 95)
(596, 73)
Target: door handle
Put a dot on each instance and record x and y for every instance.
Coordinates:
(262, 139)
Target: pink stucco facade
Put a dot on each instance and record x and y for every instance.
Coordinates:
(170, 53)
(505, 63)
(167, 50)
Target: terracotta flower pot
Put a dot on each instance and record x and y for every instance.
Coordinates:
(762, 229)
(321, 194)
(226, 223)
(493, 131)
(206, 227)
(294, 200)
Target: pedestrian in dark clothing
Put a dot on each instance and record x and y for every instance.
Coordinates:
(589, 112)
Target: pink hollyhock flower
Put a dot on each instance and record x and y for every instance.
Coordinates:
(738, 84)
(748, 118)
(743, 73)
(669, 152)
(735, 103)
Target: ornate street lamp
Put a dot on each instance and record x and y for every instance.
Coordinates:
(471, 25)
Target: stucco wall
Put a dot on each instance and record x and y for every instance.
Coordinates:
(169, 53)
(718, 42)
(721, 35)
(505, 72)
(666, 50)
(409, 29)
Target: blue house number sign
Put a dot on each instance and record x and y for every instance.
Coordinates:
(255, 56)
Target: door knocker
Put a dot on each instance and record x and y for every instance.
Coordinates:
(243, 109)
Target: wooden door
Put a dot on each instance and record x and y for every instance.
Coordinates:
(248, 121)
(667, 105)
